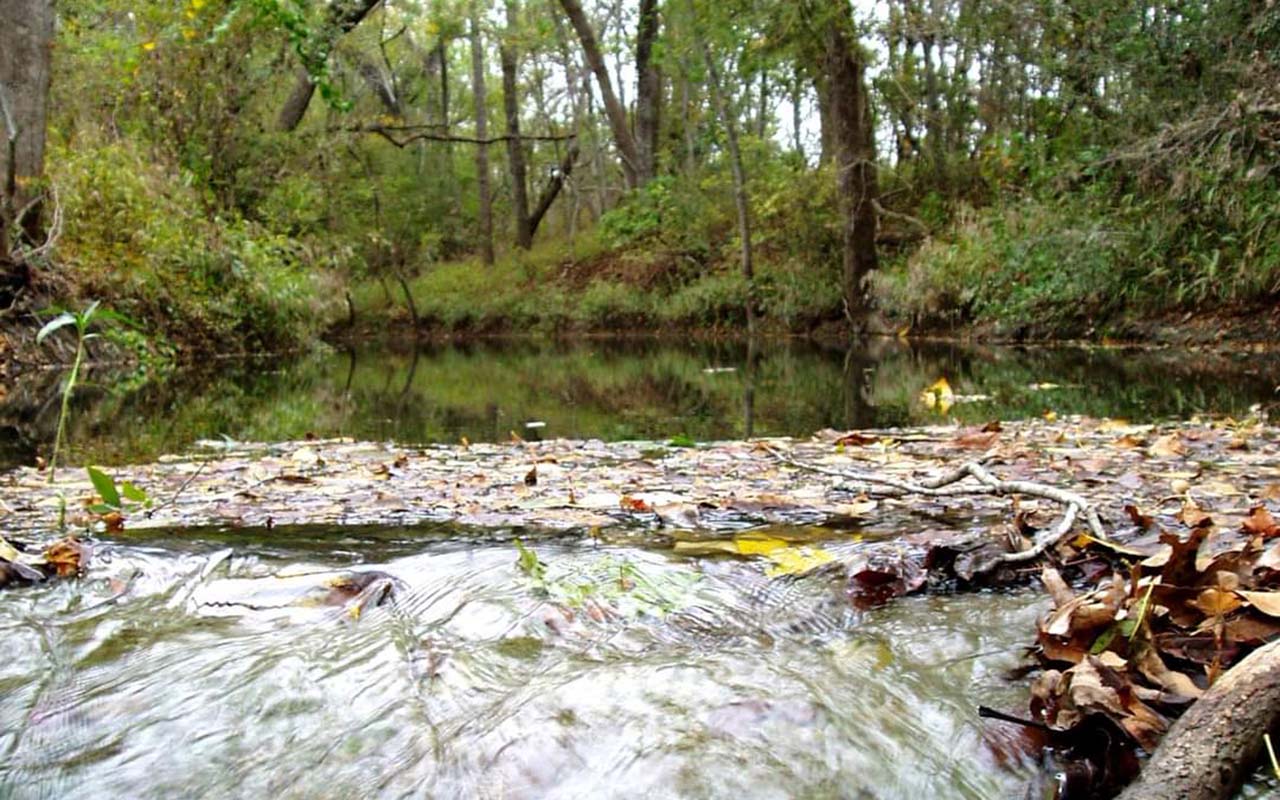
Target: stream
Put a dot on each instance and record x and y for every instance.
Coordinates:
(444, 661)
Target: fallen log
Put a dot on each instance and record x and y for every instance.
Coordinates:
(1212, 749)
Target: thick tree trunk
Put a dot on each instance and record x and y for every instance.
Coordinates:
(852, 137)
(1213, 747)
(26, 42)
(515, 147)
(740, 201)
(625, 142)
(344, 15)
(485, 213)
(648, 93)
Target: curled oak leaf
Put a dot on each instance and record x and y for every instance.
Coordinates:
(1260, 523)
(1056, 586)
(1089, 611)
(1152, 667)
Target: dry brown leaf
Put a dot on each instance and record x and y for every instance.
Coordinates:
(1139, 519)
(1216, 602)
(1056, 586)
(1260, 523)
(1266, 602)
(1168, 446)
(976, 441)
(856, 439)
(1193, 516)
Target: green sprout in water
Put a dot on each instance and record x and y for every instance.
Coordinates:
(81, 320)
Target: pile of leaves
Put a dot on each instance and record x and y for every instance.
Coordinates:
(63, 558)
(1168, 614)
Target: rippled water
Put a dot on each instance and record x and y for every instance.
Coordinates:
(210, 666)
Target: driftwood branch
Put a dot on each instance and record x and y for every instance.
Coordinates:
(1212, 748)
(945, 485)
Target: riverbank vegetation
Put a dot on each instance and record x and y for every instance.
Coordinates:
(224, 172)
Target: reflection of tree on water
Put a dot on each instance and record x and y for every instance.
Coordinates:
(612, 390)
(858, 410)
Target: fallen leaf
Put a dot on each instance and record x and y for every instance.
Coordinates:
(1168, 446)
(976, 441)
(1266, 602)
(1260, 523)
(630, 503)
(1141, 520)
(856, 439)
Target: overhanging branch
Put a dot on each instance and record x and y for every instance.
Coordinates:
(389, 132)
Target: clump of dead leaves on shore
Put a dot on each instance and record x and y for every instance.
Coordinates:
(1170, 612)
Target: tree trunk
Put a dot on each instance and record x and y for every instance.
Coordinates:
(826, 126)
(382, 87)
(740, 200)
(485, 213)
(553, 187)
(625, 142)
(852, 138)
(26, 42)
(344, 15)
(648, 93)
(515, 147)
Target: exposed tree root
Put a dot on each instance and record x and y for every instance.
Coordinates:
(1212, 748)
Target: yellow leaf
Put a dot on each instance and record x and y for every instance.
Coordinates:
(938, 396)
(149, 46)
(797, 560)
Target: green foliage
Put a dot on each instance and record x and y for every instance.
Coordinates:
(135, 234)
(622, 587)
(667, 212)
(115, 498)
(717, 299)
(81, 320)
(605, 305)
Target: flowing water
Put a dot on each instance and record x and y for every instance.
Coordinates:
(215, 665)
(435, 661)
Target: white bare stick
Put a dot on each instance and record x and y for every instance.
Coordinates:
(943, 486)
